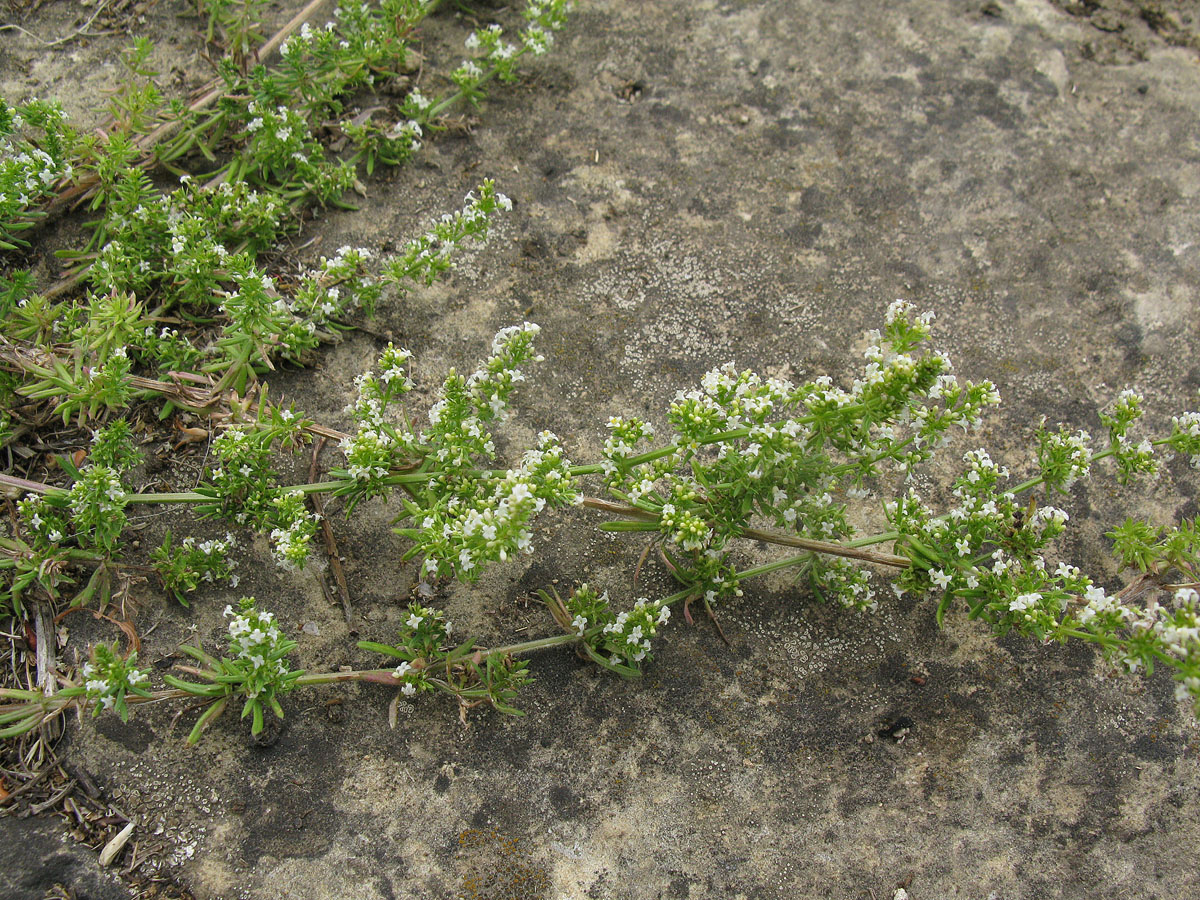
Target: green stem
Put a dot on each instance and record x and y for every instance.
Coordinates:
(182, 497)
(765, 568)
(770, 537)
(32, 487)
(530, 646)
(1107, 641)
(1034, 482)
(442, 105)
(827, 547)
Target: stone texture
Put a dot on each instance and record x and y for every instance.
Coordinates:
(35, 858)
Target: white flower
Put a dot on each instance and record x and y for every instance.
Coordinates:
(1065, 570)
(1024, 602)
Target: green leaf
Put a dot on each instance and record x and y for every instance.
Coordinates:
(198, 654)
(21, 727)
(943, 605)
(205, 718)
(21, 713)
(199, 690)
(626, 672)
(507, 710)
(1134, 542)
(459, 652)
(385, 649)
(256, 725)
(69, 467)
(629, 526)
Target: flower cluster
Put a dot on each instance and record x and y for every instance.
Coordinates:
(318, 68)
(627, 637)
(280, 149)
(499, 54)
(1185, 437)
(617, 641)
(1178, 630)
(684, 526)
(586, 608)
(362, 43)
(257, 649)
(1064, 458)
(28, 170)
(44, 523)
(544, 17)
(987, 550)
(108, 678)
(183, 568)
(458, 433)
(391, 145)
(242, 479)
(98, 501)
(179, 242)
(422, 639)
(425, 257)
(375, 447)
(844, 583)
(989, 553)
(624, 435)
(112, 446)
(462, 517)
(488, 519)
(1131, 458)
(495, 57)
(293, 531)
(255, 667)
(1137, 637)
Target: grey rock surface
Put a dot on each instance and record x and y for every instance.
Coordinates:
(695, 182)
(35, 859)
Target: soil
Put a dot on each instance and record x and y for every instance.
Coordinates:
(697, 181)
